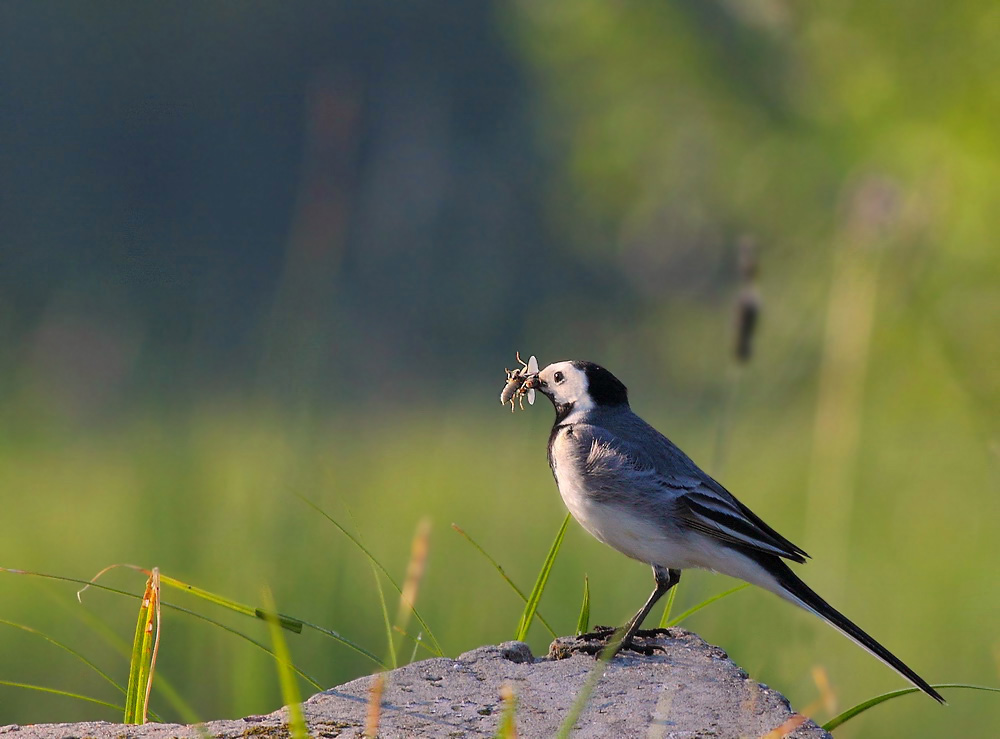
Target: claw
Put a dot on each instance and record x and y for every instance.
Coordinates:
(597, 641)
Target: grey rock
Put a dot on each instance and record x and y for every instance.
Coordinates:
(686, 689)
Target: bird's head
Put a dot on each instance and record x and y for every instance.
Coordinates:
(578, 387)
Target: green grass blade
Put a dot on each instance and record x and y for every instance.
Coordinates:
(245, 610)
(209, 620)
(371, 558)
(583, 622)
(543, 576)
(665, 618)
(418, 641)
(503, 574)
(251, 640)
(69, 649)
(389, 641)
(346, 642)
(286, 622)
(865, 705)
(286, 677)
(719, 596)
(145, 670)
(163, 685)
(64, 693)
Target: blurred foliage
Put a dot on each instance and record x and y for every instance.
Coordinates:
(249, 252)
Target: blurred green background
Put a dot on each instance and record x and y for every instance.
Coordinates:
(251, 251)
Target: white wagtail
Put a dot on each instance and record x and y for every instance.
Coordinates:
(634, 490)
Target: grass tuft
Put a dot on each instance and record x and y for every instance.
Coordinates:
(531, 606)
(145, 647)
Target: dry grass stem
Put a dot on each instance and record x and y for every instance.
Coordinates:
(375, 706)
(508, 719)
(414, 572)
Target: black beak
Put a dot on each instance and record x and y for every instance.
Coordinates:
(532, 383)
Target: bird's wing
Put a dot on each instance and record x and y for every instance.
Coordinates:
(711, 510)
(662, 479)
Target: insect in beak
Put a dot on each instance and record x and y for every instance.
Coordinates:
(516, 383)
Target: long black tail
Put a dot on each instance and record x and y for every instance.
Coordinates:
(804, 596)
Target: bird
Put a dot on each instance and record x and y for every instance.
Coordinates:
(633, 489)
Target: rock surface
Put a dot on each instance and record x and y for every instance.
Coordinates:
(689, 689)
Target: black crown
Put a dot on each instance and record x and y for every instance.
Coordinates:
(604, 387)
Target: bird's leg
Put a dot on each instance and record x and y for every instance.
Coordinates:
(665, 579)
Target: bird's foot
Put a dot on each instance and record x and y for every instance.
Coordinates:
(601, 638)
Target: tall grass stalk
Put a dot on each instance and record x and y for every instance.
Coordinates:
(390, 646)
(286, 675)
(390, 643)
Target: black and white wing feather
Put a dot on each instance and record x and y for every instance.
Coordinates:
(710, 509)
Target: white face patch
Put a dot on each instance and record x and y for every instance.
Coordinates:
(567, 386)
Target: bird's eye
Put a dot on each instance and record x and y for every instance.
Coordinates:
(558, 377)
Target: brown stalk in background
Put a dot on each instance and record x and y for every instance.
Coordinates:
(746, 319)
